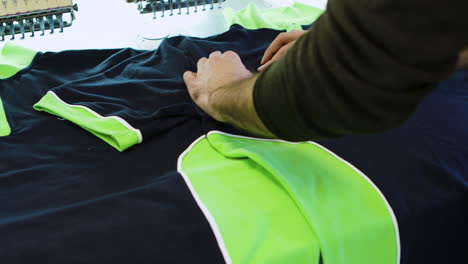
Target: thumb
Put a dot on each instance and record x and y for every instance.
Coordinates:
(189, 77)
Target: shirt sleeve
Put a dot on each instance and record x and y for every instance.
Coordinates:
(134, 96)
(362, 68)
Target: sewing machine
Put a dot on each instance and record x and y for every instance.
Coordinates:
(105, 24)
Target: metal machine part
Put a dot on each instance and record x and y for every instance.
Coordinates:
(154, 6)
(19, 17)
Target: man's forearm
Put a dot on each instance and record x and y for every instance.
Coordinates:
(234, 103)
(362, 68)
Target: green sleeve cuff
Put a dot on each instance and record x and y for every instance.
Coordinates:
(112, 129)
(14, 58)
(276, 106)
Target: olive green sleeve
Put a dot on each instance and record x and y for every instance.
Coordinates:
(362, 68)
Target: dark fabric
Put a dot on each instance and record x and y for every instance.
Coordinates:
(147, 90)
(422, 169)
(362, 68)
(68, 197)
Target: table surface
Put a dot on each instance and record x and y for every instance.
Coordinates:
(107, 24)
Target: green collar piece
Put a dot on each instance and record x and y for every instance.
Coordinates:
(281, 18)
(272, 201)
(14, 58)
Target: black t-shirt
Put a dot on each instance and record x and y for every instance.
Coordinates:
(69, 197)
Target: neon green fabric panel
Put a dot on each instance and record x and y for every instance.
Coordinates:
(14, 58)
(280, 18)
(110, 129)
(4, 126)
(258, 221)
(237, 178)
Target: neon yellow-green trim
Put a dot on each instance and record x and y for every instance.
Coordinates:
(14, 58)
(280, 18)
(112, 130)
(258, 221)
(4, 126)
(280, 202)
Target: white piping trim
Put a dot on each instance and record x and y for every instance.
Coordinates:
(203, 208)
(389, 208)
(116, 118)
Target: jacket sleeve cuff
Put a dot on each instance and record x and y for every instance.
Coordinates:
(276, 106)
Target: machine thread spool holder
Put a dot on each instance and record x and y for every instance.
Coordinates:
(33, 22)
(176, 6)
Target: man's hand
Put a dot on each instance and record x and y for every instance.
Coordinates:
(223, 88)
(282, 43)
(214, 73)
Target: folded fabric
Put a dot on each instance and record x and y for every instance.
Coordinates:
(143, 94)
(109, 109)
(251, 189)
(280, 18)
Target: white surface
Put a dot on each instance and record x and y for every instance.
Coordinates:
(106, 24)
